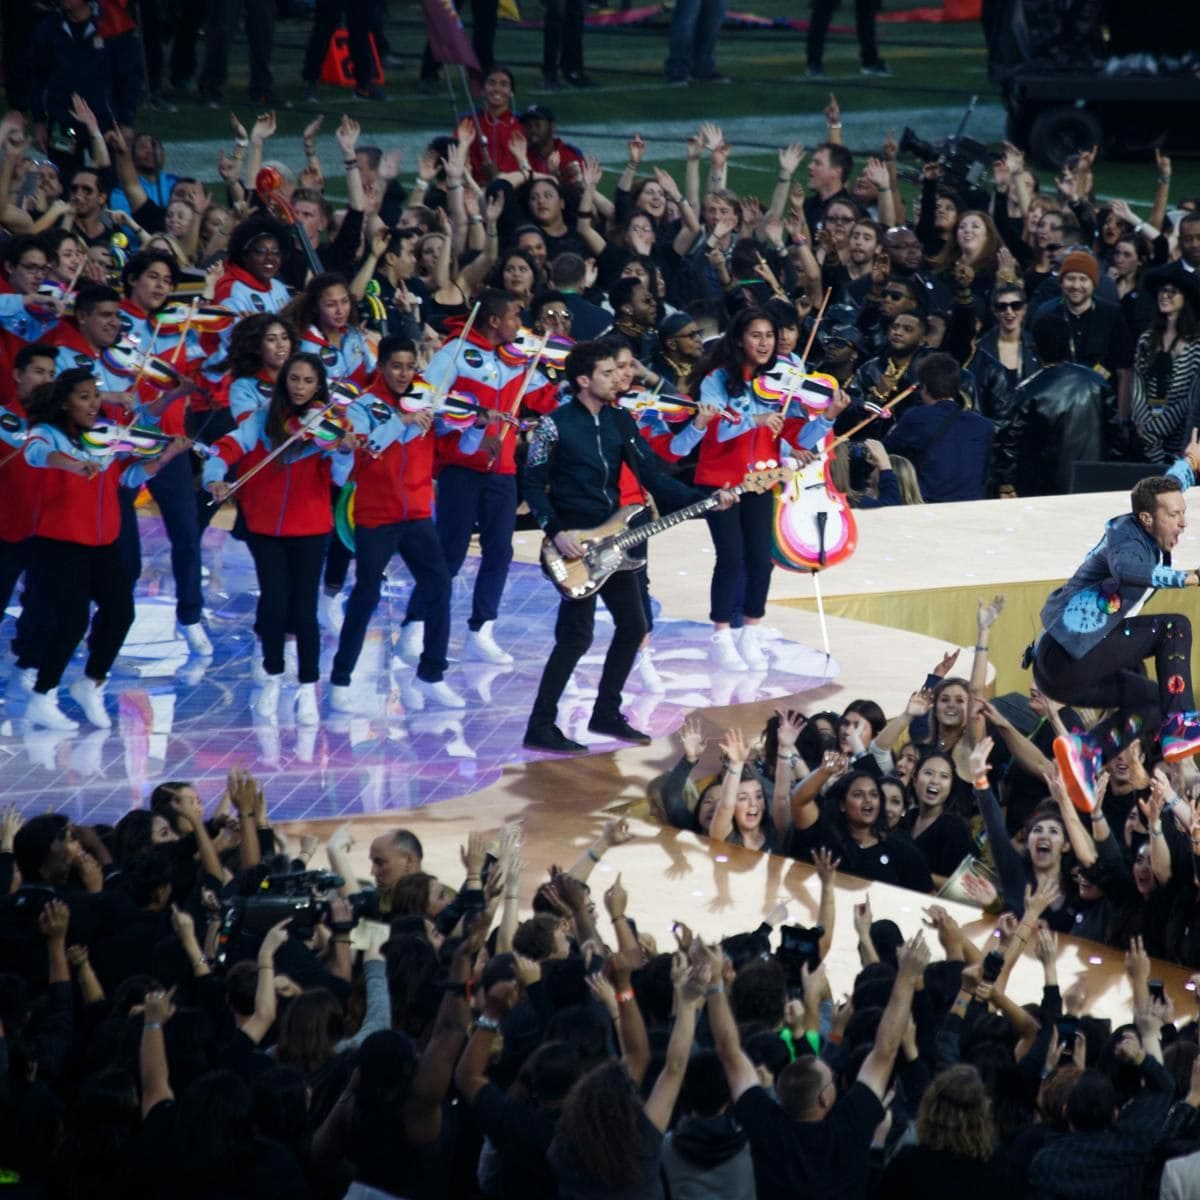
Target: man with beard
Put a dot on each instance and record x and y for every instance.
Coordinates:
(864, 242)
(635, 314)
(1095, 642)
(1079, 328)
(842, 348)
(880, 378)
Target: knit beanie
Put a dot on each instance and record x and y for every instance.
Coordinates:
(1084, 263)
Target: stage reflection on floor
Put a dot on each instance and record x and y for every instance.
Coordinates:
(176, 717)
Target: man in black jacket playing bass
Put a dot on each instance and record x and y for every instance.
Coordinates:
(571, 482)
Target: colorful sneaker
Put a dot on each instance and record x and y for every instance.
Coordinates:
(1180, 736)
(1079, 762)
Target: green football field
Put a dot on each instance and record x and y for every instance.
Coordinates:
(937, 68)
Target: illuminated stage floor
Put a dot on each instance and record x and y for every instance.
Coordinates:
(176, 718)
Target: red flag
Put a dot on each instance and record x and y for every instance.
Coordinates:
(447, 38)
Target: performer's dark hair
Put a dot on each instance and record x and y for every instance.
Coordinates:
(940, 376)
(583, 359)
(1144, 497)
(493, 302)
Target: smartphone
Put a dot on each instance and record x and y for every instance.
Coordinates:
(1067, 1028)
(799, 947)
(993, 963)
(1155, 987)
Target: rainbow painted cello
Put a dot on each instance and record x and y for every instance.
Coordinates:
(814, 526)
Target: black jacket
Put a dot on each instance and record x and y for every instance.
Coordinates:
(573, 469)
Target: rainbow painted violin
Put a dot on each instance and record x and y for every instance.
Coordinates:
(784, 384)
(126, 360)
(520, 352)
(673, 408)
(105, 438)
(327, 429)
(455, 409)
(177, 315)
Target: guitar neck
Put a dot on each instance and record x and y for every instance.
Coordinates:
(635, 537)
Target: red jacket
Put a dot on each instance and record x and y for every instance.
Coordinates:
(630, 490)
(289, 498)
(488, 380)
(21, 487)
(495, 146)
(396, 485)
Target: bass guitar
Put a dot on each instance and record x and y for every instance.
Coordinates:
(606, 547)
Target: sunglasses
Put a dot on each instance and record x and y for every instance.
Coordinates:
(552, 315)
(1008, 306)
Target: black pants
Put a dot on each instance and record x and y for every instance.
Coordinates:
(207, 427)
(1112, 676)
(417, 544)
(192, 15)
(260, 35)
(562, 37)
(483, 38)
(69, 578)
(742, 539)
(864, 23)
(31, 624)
(572, 638)
(327, 16)
(289, 576)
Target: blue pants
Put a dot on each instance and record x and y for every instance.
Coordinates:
(175, 494)
(693, 39)
(31, 624)
(742, 539)
(467, 498)
(417, 544)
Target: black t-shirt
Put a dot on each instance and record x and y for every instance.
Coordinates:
(522, 1134)
(944, 844)
(911, 1173)
(819, 1160)
(892, 860)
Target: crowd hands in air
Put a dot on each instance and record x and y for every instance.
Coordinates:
(163, 1029)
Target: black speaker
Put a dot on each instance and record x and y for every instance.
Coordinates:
(1090, 476)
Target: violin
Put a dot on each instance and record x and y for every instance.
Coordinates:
(673, 408)
(784, 383)
(105, 438)
(177, 315)
(521, 351)
(125, 359)
(456, 409)
(324, 428)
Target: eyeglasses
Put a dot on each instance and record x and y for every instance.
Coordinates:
(688, 333)
(895, 294)
(840, 220)
(555, 315)
(43, 268)
(1008, 306)
(1169, 289)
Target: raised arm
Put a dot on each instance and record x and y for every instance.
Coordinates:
(739, 1070)
(615, 832)
(805, 799)
(877, 1068)
(736, 751)
(690, 984)
(790, 725)
(919, 704)
(986, 617)
(826, 866)
(152, 1057)
(790, 158)
(1024, 752)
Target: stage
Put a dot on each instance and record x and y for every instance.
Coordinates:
(439, 772)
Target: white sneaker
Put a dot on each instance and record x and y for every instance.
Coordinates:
(267, 704)
(331, 612)
(412, 642)
(724, 653)
(90, 697)
(306, 705)
(480, 646)
(750, 648)
(340, 698)
(197, 640)
(20, 683)
(42, 710)
(440, 693)
(646, 671)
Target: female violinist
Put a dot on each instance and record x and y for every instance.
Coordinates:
(742, 535)
(393, 514)
(259, 347)
(288, 519)
(74, 556)
(250, 283)
(329, 318)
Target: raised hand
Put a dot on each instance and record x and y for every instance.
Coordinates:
(617, 832)
(264, 128)
(989, 613)
(734, 748)
(833, 111)
(1163, 163)
(791, 724)
(977, 764)
(637, 148)
(790, 158)
(691, 736)
(947, 664)
(876, 173)
(312, 129)
(53, 921)
(919, 703)
(616, 899)
(863, 919)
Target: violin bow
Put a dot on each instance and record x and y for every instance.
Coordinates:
(447, 378)
(309, 424)
(533, 362)
(137, 379)
(873, 417)
(812, 336)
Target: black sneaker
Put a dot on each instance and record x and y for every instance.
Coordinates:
(209, 99)
(550, 84)
(815, 71)
(619, 728)
(373, 92)
(879, 68)
(551, 738)
(578, 79)
(675, 81)
(717, 78)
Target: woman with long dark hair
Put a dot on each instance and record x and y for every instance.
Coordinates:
(735, 431)
(258, 348)
(74, 557)
(1165, 365)
(942, 837)
(328, 317)
(288, 518)
(852, 823)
